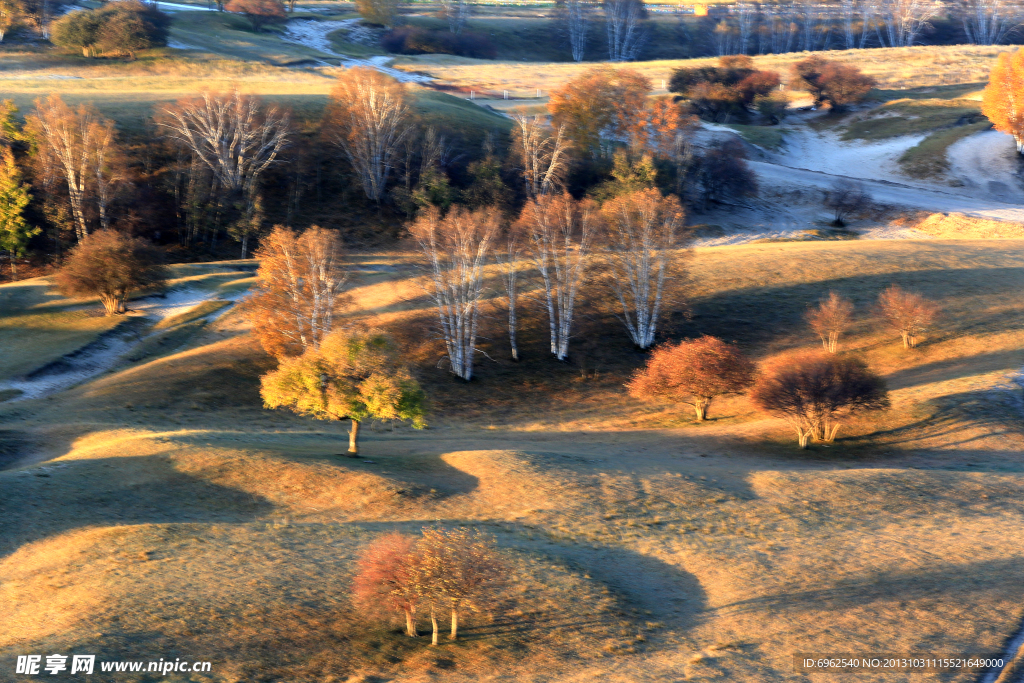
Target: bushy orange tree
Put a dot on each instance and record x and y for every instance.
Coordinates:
(600, 101)
(385, 578)
(812, 390)
(111, 265)
(260, 13)
(693, 372)
(839, 85)
(829, 319)
(908, 313)
(1003, 99)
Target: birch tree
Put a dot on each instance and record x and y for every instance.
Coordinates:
(543, 153)
(829, 319)
(299, 289)
(368, 118)
(746, 18)
(644, 249)
(457, 13)
(508, 255)
(903, 20)
(561, 232)
(988, 22)
(74, 144)
(577, 14)
(847, 13)
(1003, 98)
(623, 23)
(235, 137)
(455, 247)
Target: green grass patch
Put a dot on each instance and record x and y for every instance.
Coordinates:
(912, 117)
(470, 120)
(346, 47)
(928, 157)
(235, 286)
(768, 137)
(201, 311)
(936, 92)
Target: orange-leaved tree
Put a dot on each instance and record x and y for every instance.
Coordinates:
(299, 289)
(385, 578)
(352, 375)
(111, 265)
(1003, 98)
(692, 372)
(829, 319)
(601, 102)
(908, 313)
(813, 390)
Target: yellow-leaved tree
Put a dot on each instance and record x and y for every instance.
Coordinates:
(352, 375)
(1003, 99)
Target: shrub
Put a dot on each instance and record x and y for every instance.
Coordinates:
(813, 390)
(838, 85)
(378, 12)
(385, 578)
(773, 106)
(110, 265)
(692, 372)
(723, 172)
(907, 312)
(830, 319)
(731, 87)
(260, 13)
(413, 40)
(844, 198)
(124, 27)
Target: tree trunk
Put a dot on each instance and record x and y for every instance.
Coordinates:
(455, 624)
(803, 437)
(701, 407)
(353, 437)
(433, 620)
(410, 624)
(906, 339)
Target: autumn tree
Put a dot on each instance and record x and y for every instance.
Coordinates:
(12, 13)
(386, 578)
(235, 137)
(455, 247)
(839, 85)
(829, 319)
(844, 198)
(80, 146)
(814, 390)
(369, 117)
(260, 13)
(299, 289)
(1003, 98)
(119, 28)
(111, 265)
(693, 372)
(561, 233)
(644, 258)
(353, 376)
(508, 253)
(543, 153)
(380, 12)
(601, 102)
(728, 89)
(624, 28)
(15, 232)
(908, 313)
(456, 569)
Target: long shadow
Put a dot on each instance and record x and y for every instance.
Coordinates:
(956, 368)
(46, 501)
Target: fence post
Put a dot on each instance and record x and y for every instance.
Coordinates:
(506, 93)
(472, 94)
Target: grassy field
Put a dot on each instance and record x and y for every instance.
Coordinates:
(159, 510)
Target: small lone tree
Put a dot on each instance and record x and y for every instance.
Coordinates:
(260, 13)
(354, 376)
(813, 390)
(692, 372)
(830, 319)
(844, 198)
(385, 578)
(110, 265)
(1003, 98)
(907, 312)
(455, 569)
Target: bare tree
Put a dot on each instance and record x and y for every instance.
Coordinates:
(746, 18)
(299, 289)
(234, 136)
(645, 253)
(542, 152)
(869, 10)
(508, 255)
(577, 14)
(903, 20)
(830, 319)
(845, 198)
(561, 233)
(907, 312)
(456, 247)
(847, 14)
(457, 13)
(75, 144)
(369, 118)
(989, 22)
(623, 23)
(812, 391)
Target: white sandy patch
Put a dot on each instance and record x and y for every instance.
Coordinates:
(313, 33)
(824, 152)
(177, 7)
(987, 163)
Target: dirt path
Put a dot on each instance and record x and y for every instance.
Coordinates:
(313, 33)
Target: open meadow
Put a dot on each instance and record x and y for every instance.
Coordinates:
(157, 508)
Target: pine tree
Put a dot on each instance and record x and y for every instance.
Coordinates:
(15, 232)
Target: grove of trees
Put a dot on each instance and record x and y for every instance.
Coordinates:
(124, 27)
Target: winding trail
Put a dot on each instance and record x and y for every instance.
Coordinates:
(313, 33)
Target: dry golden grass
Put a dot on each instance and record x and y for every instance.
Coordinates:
(894, 68)
(173, 515)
